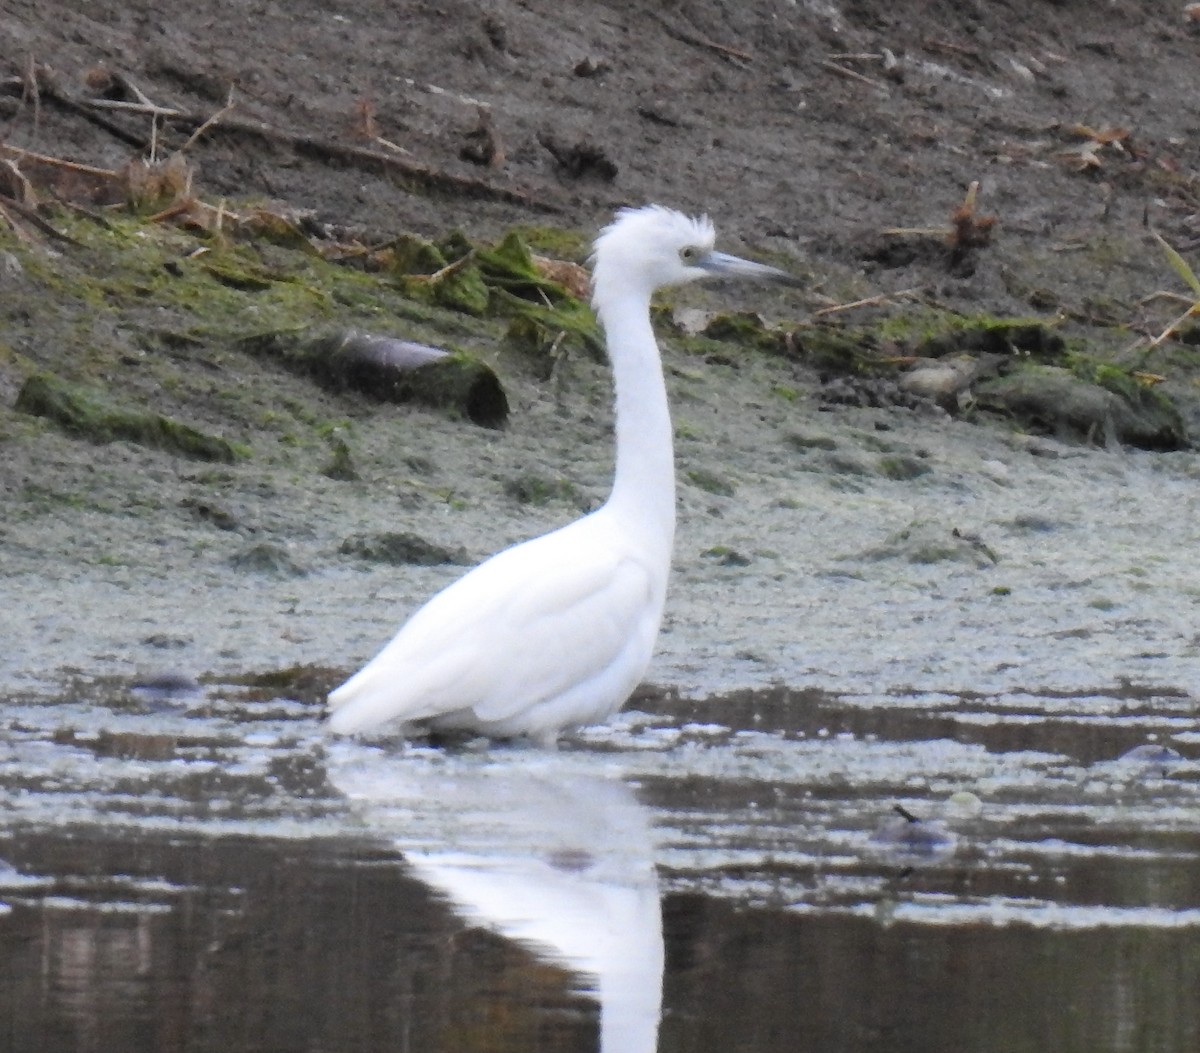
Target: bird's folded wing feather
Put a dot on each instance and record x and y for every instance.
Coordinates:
(522, 627)
(590, 624)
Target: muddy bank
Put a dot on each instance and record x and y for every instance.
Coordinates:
(1007, 564)
(855, 538)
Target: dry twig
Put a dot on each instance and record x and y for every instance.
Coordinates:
(313, 146)
(685, 36)
(224, 111)
(123, 106)
(854, 75)
(58, 162)
(366, 126)
(869, 301)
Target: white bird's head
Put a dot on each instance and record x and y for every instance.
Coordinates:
(650, 247)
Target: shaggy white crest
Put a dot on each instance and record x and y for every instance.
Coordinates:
(556, 632)
(650, 241)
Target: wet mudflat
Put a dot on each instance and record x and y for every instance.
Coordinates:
(770, 870)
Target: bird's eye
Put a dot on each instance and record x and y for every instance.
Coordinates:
(689, 254)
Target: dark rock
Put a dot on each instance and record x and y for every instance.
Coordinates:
(166, 686)
(874, 392)
(1054, 401)
(268, 559)
(581, 159)
(812, 442)
(947, 382)
(208, 512)
(725, 556)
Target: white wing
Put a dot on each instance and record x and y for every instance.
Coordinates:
(519, 630)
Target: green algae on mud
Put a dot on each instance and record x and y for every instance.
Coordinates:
(209, 291)
(91, 415)
(402, 548)
(207, 297)
(1059, 402)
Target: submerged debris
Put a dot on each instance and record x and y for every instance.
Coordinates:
(1150, 760)
(906, 838)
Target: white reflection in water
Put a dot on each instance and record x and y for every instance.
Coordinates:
(558, 858)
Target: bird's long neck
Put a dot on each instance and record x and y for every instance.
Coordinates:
(644, 487)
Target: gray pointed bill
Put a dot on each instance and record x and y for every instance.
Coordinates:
(722, 265)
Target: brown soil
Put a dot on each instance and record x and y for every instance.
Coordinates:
(803, 128)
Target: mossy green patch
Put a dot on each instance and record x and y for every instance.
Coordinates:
(341, 463)
(238, 274)
(92, 415)
(711, 483)
(402, 548)
(745, 328)
(902, 467)
(1099, 408)
(536, 330)
(535, 490)
(412, 254)
(501, 280)
(886, 346)
(510, 266)
(458, 286)
(834, 351)
(554, 241)
(545, 308)
(995, 336)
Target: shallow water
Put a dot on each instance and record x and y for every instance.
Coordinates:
(205, 871)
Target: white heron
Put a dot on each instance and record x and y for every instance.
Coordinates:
(556, 632)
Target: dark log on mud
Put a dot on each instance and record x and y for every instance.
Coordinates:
(393, 370)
